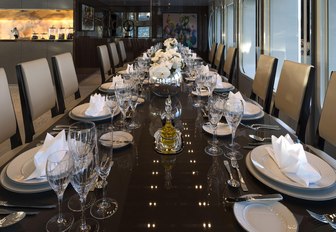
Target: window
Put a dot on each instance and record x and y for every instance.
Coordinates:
(248, 37)
(143, 32)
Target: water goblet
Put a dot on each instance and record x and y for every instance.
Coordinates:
(105, 207)
(82, 141)
(123, 99)
(133, 104)
(210, 82)
(58, 169)
(199, 81)
(215, 114)
(233, 112)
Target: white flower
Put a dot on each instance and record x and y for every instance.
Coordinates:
(170, 42)
(159, 71)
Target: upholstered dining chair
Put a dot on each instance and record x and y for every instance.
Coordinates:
(37, 93)
(114, 57)
(327, 128)
(8, 122)
(219, 57)
(294, 93)
(263, 82)
(212, 53)
(122, 50)
(65, 79)
(104, 63)
(229, 64)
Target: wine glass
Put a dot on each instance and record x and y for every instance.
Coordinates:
(233, 112)
(58, 169)
(199, 81)
(133, 104)
(105, 207)
(215, 114)
(82, 141)
(210, 82)
(123, 99)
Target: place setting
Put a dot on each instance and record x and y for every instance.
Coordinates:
(287, 168)
(95, 110)
(109, 87)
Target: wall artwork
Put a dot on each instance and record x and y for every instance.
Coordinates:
(87, 18)
(183, 27)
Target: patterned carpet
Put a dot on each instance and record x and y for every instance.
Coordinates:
(86, 87)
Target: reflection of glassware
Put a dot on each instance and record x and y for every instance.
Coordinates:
(215, 181)
(168, 163)
(233, 112)
(82, 141)
(215, 114)
(105, 207)
(58, 169)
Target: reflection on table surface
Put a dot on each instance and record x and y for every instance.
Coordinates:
(182, 192)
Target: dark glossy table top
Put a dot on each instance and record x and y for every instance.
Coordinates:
(181, 192)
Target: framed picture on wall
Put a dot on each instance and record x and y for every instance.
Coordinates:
(87, 18)
(183, 27)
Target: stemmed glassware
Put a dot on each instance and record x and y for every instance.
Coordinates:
(210, 82)
(133, 104)
(233, 112)
(82, 141)
(105, 207)
(215, 114)
(58, 169)
(123, 95)
(199, 81)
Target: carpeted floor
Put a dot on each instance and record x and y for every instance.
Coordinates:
(86, 86)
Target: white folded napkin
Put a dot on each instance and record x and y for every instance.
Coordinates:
(193, 55)
(204, 70)
(116, 80)
(292, 161)
(129, 68)
(219, 82)
(144, 55)
(51, 144)
(97, 106)
(239, 97)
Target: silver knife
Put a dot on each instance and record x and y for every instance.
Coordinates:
(26, 205)
(8, 211)
(257, 198)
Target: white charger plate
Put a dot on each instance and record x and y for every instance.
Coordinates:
(264, 163)
(321, 195)
(78, 113)
(18, 188)
(203, 93)
(251, 109)
(107, 87)
(259, 217)
(123, 137)
(22, 166)
(226, 87)
(222, 129)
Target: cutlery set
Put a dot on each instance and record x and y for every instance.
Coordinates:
(261, 126)
(324, 218)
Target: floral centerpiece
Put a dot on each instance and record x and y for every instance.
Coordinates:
(166, 65)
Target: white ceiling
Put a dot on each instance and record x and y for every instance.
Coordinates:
(156, 2)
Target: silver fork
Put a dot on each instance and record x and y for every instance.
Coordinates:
(325, 218)
(319, 217)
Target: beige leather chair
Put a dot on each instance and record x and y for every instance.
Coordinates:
(219, 57)
(212, 54)
(8, 123)
(230, 62)
(122, 50)
(65, 77)
(114, 57)
(37, 93)
(104, 63)
(327, 127)
(294, 93)
(263, 82)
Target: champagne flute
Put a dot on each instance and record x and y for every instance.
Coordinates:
(233, 112)
(123, 99)
(105, 207)
(82, 141)
(215, 114)
(58, 169)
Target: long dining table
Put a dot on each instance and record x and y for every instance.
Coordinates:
(182, 192)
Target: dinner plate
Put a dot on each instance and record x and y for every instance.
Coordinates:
(264, 163)
(251, 109)
(254, 117)
(222, 129)
(265, 217)
(123, 72)
(18, 188)
(225, 87)
(120, 139)
(203, 93)
(22, 166)
(78, 113)
(321, 195)
(107, 87)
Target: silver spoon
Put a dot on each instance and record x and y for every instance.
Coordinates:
(12, 219)
(232, 182)
(260, 139)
